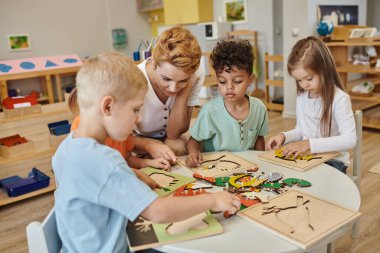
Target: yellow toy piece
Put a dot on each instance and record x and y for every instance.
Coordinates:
(244, 180)
(278, 153)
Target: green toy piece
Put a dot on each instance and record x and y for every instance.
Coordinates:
(273, 186)
(221, 181)
(299, 182)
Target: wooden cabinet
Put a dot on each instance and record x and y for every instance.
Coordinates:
(33, 127)
(149, 5)
(188, 11)
(369, 104)
(47, 69)
(272, 83)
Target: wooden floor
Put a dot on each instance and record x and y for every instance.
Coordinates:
(15, 217)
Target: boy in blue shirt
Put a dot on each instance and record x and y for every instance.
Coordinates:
(233, 121)
(97, 192)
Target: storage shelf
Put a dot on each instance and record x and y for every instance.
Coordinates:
(361, 104)
(276, 83)
(370, 105)
(33, 127)
(272, 82)
(5, 199)
(364, 69)
(274, 106)
(353, 43)
(352, 83)
(371, 118)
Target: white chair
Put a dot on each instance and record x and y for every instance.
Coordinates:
(357, 162)
(356, 170)
(43, 237)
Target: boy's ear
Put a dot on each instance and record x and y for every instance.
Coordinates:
(107, 105)
(251, 78)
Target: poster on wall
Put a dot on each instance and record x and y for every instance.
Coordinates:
(19, 42)
(338, 14)
(235, 11)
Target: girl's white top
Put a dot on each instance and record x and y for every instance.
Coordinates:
(343, 134)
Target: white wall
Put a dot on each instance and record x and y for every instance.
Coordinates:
(373, 13)
(64, 27)
(260, 18)
(292, 21)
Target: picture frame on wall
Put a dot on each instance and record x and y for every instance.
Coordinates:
(19, 42)
(339, 14)
(235, 11)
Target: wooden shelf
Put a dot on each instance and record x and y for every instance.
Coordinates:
(274, 106)
(210, 81)
(353, 43)
(375, 98)
(272, 82)
(371, 118)
(5, 199)
(352, 83)
(359, 104)
(364, 69)
(276, 83)
(33, 127)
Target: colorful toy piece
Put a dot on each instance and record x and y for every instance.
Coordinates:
(295, 181)
(278, 154)
(16, 186)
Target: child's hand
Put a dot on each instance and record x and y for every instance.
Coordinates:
(194, 159)
(276, 141)
(160, 150)
(224, 201)
(296, 148)
(146, 179)
(159, 163)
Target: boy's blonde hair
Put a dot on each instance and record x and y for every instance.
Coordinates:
(178, 47)
(107, 74)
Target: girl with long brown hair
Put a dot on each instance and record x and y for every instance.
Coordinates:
(325, 120)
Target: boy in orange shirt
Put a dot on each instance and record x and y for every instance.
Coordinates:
(125, 148)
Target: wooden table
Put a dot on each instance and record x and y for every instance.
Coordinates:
(243, 236)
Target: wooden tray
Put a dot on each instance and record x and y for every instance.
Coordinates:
(302, 226)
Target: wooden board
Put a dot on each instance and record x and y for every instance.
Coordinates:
(300, 165)
(167, 180)
(224, 163)
(323, 216)
(143, 234)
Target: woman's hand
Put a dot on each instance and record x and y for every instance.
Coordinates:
(159, 163)
(159, 150)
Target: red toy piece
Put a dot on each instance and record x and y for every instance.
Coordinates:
(13, 102)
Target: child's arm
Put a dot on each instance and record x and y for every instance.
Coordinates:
(260, 144)
(155, 148)
(138, 163)
(276, 141)
(146, 179)
(173, 209)
(195, 157)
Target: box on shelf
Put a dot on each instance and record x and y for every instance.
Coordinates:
(16, 186)
(17, 150)
(22, 111)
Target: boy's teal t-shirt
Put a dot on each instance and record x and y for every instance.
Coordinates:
(219, 131)
(97, 192)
